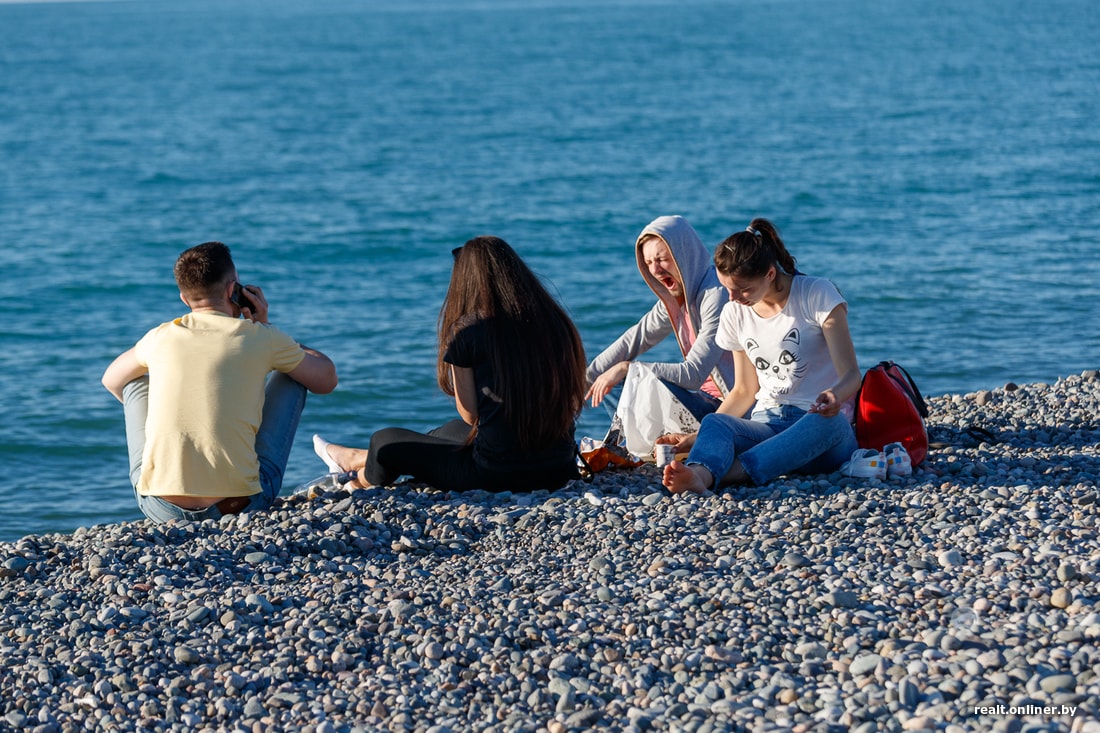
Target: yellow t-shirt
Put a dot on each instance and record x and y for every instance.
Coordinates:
(207, 373)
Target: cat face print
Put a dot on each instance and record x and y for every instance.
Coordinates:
(781, 367)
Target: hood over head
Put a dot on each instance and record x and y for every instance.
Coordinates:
(691, 257)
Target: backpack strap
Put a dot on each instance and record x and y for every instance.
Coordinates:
(918, 398)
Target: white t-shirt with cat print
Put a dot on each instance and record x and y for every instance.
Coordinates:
(788, 349)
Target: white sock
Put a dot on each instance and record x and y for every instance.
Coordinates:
(320, 447)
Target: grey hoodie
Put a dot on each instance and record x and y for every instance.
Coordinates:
(704, 299)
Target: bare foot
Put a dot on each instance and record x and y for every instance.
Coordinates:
(680, 477)
(349, 459)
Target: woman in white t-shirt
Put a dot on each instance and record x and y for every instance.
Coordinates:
(795, 368)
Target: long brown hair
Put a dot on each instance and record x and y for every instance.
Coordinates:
(537, 356)
(751, 252)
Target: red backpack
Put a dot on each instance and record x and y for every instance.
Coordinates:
(890, 409)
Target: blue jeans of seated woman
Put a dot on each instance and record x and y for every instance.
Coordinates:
(284, 400)
(697, 402)
(773, 442)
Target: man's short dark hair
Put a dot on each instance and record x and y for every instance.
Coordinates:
(202, 270)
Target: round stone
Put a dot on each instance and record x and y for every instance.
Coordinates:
(950, 558)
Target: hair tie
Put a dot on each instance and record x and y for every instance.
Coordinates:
(752, 231)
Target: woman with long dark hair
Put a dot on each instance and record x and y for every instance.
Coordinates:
(514, 362)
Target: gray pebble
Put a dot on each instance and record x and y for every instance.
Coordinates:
(908, 693)
(16, 565)
(795, 560)
(950, 558)
(841, 599)
(254, 708)
(1058, 683)
(864, 664)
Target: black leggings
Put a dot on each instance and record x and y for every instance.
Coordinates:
(442, 459)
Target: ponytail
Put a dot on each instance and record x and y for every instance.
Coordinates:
(751, 252)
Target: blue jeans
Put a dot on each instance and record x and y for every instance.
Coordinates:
(773, 442)
(697, 402)
(284, 400)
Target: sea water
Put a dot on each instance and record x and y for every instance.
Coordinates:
(939, 161)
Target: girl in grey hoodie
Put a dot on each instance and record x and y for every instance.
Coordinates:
(679, 270)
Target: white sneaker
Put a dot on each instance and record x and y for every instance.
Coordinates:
(865, 463)
(898, 462)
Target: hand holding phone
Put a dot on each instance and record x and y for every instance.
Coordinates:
(239, 300)
(252, 298)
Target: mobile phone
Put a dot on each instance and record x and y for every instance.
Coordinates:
(241, 301)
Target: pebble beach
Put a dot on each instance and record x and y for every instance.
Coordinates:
(959, 599)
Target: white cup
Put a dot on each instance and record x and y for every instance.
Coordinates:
(664, 453)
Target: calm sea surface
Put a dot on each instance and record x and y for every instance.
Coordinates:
(939, 160)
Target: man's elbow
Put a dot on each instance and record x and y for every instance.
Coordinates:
(110, 382)
(326, 382)
(113, 388)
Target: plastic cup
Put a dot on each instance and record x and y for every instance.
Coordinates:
(664, 453)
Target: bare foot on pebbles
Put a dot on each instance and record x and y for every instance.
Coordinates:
(680, 478)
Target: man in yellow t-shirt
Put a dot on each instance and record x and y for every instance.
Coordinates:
(208, 432)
